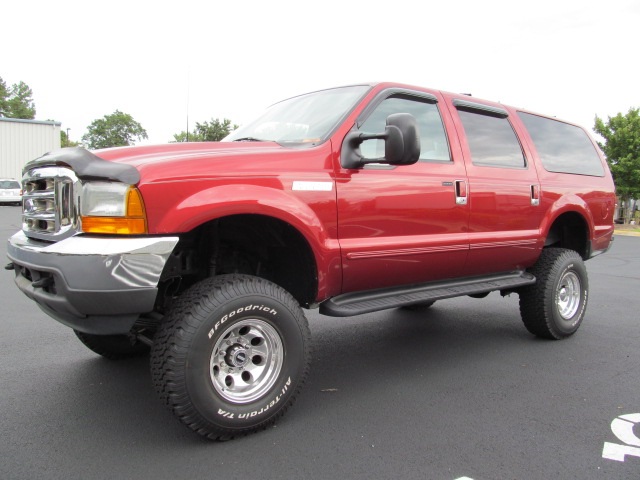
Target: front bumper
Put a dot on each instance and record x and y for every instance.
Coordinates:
(96, 285)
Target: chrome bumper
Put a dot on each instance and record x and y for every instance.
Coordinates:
(92, 284)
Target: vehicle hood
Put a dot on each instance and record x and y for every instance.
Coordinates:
(195, 160)
(174, 161)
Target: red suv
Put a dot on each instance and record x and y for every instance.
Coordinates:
(351, 199)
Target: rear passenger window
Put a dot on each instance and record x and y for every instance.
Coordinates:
(491, 140)
(562, 147)
(433, 141)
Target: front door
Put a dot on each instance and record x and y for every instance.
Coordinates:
(404, 224)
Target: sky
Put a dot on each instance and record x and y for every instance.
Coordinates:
(171, 64)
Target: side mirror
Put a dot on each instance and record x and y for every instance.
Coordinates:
(402, 143)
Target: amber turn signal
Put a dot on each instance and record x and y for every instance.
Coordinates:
(133, 223)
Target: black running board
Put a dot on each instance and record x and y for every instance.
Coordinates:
(357, 303)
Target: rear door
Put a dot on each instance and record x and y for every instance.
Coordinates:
(504, 191)
(404, 224)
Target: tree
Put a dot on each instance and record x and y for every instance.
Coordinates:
(116, 130)
(4, 94)
(213, 131)
(622, 149)
(16, 102)
(64, 140)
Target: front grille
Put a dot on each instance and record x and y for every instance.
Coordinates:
(50, 205)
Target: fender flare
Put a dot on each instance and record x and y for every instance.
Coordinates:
(570, 203)
(245, 199)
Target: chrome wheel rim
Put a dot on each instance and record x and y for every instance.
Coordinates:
(246, 361)
(568, 295)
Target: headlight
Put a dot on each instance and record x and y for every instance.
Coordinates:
(114, 208)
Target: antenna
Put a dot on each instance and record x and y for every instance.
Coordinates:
(188, 91)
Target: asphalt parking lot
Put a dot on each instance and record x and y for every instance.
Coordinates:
(457, 391)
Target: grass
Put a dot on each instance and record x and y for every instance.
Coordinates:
(628, 228)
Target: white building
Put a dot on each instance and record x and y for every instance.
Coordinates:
(24, 140)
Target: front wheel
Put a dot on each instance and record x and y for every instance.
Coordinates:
(231, 355)
(554, 306)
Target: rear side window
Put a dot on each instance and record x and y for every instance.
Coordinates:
(562, 147)
(491, 140)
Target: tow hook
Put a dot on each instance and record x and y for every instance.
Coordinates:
(42, 283)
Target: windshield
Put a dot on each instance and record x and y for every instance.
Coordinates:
(308, 119)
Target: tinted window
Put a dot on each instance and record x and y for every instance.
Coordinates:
(433, 141)
(491, 140)
(9, 184)
(562, 147)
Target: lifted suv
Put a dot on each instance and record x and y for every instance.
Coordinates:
(352, 199)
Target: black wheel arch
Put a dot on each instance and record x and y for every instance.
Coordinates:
(570, 230)
(250, 244)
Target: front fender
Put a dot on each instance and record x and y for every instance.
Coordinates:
(312, 213)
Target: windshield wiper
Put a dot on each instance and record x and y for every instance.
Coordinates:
(250, 139)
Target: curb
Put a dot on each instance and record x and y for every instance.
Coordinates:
(626, 234)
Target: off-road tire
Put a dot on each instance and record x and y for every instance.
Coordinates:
(554, 306)
(231, 355)
(113, 347)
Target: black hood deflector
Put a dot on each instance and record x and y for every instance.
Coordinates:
(86, 165)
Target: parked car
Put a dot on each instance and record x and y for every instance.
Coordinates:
(10, 191)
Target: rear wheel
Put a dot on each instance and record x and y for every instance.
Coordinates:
(231, 355)
(554, 306)
(113, 347)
